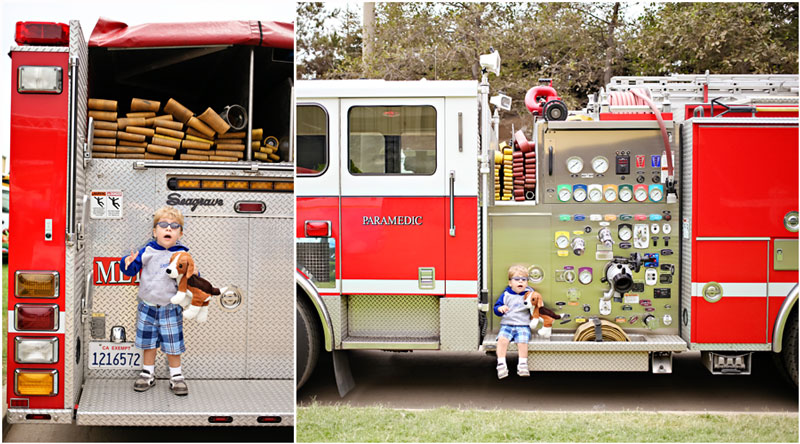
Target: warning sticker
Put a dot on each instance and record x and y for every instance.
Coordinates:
(106, 204)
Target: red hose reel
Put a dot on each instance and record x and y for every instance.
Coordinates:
(543, 100)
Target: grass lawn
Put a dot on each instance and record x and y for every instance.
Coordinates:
(317, 423)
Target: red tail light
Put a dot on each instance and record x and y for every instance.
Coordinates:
(42, 416)
(220, 419)
(36, 317)
(268, 419)
(250, 207)
(42, 33)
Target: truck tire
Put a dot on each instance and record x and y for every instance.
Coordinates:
(309, 340)
(790, 348)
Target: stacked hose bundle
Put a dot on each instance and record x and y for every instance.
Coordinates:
(104, 112)
(504, 179)
(524, 168)
(174, 134)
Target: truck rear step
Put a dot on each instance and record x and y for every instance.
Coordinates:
(561, 353)
(243, 402)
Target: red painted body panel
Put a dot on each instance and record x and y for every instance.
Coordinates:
(392, 251)
(320, 208)
(462, 250)
(737, 320)
(38, 158)
(745, 180)
(714, 261)
(732, 319)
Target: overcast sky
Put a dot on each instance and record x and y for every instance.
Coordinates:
(131, 12)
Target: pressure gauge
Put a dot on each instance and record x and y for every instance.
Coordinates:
(579, 193)
(600, 164)
(656, 193)
(585, 276)
(610, 193)
(595, 193)
(562, 239)
(574, 164)
(625, 193)
(564, 192)
(640, 194)
(625, 232)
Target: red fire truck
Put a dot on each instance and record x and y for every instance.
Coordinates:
(651, 225)
(72, 314)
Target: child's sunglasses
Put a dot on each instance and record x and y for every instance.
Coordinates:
(519, 278)
(173, 225)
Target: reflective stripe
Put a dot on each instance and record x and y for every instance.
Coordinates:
(389, 286)
(781, 289)
(402, 286)
(734, 289)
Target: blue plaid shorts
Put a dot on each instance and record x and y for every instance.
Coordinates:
(522, 333)
(160, 326)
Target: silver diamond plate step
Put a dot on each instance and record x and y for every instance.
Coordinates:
(382, 343)
(114, 402)
(563, 342)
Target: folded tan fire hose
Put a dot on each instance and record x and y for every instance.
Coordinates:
(600, 330)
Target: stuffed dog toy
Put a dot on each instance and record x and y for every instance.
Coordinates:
(194, 292)
(540, 314)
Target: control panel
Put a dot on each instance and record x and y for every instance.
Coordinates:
(614, 224)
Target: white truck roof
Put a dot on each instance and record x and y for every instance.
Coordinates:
(385, 88)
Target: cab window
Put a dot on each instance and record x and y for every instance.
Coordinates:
(312, 140)
(392, 140)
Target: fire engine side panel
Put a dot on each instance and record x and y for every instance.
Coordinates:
(740, 315)
(742, 169)
(461, 148)
(38, 137)
(780, 281)
(742, 219)
(687, 228)
(392, 253)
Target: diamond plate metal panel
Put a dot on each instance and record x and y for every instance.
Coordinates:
(241, 251)
(17, 416)
(109, 402)
(687, 166)
(589, 362)
(404, 316)
(731, 347)
(564, 342)
(39, 49)
(458, 318)
(335, 306)
(270, 345)
(74, 275)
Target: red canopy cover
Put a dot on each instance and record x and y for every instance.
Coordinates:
(113, 34)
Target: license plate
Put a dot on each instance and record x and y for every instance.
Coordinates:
(114, 355)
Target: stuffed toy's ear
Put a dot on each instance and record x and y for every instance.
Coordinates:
(190, 271)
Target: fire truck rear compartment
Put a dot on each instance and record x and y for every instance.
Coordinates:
(198, 78)
(239, 362)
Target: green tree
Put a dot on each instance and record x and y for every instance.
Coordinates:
(724, 38)
(328, 41)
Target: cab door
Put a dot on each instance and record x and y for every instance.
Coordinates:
(393, 196)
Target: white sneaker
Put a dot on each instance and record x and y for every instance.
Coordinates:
(522, 370)
(502, 370)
